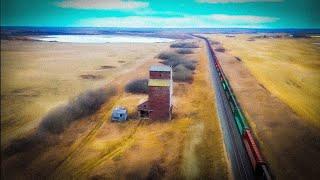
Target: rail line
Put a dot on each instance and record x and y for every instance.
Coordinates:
(245, 157)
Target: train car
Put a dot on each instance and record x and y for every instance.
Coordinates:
(238, 115)
(260, 168)
(240, 121)
(252, 149)
(259, 165)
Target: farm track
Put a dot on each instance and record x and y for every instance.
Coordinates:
(108, 153)
(78, 147)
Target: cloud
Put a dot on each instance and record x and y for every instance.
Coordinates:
(187, 21)
(243, 19)
(236, 1)
(102, 4)
(151, 12)
(142, 21)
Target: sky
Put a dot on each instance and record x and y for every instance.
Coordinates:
(162, 13)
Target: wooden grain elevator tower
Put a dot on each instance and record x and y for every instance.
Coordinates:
(159, 104)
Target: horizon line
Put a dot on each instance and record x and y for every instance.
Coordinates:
(272, 28)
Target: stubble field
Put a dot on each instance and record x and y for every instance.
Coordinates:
(188, 146)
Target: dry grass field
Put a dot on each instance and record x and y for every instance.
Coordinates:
(289, 68)
(189, 146)
(258, 71)
(37, 76)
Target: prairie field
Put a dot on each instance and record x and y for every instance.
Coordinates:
(37, 76)
(188, 146)
(276, 81)
(288, 67)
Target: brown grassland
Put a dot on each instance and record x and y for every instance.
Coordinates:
(289, 68)
(37, 76)
(276, 81)
(189, 146)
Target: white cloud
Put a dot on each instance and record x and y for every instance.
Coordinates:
(243, 19)
(142, 21)
(151, 12)
(190, 21)
(236, 1)
(102, 4)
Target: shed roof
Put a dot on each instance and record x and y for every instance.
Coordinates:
(159, 82)
(119, 110)
(160, 68)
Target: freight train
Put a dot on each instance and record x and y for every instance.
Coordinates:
(260, 167)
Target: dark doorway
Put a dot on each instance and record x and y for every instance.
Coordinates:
(144, 114)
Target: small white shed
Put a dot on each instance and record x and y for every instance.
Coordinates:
(119, 114)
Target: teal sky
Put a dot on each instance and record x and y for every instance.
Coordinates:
(162, 13)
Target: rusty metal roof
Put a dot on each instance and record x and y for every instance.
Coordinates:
(160, 68)
(159, 82)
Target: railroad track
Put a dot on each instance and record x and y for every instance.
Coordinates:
(243, 153)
